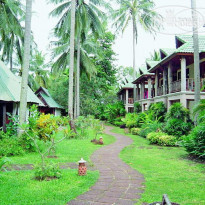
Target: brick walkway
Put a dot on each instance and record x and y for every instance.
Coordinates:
(118, 182)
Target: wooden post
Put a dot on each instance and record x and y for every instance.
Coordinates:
(4, 117)
(149, 88)
(156, 83)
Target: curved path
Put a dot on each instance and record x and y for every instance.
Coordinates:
(118, 182)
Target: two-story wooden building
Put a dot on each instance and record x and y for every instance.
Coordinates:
(172, 79)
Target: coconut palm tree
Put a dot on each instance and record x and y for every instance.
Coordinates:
(88, 17)
(11, 31)
(38, 75)
(136, 12)
(26, 58)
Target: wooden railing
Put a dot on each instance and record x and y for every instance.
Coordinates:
(130, 101)
(176, 86)
(160, 91)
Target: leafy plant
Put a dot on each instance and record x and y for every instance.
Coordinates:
(12, 127)
(112, 111)
(3, 161)
(177, 127)
(135, 131)
(158, 111)
(49, 171)
(137, 107)
(150, 127)
(10, 146)
(177, 111)
(161, 138)
(194, 143)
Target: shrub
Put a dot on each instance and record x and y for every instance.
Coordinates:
(137, 107)
(194, 143)
(118, 122)
(135, 131)
(135, 120)
(158, 111)
(161, 138)
(177, 111)
(177, 127)
(49, 171)
(112, 111)
(148, 128)
(10, 146)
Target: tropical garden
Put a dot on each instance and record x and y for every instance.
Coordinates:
(37, 155)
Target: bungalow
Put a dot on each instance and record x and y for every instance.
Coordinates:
(172, 79)
(49, 105)
(10, 88)
(126, 94)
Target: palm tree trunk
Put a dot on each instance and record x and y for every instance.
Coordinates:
(75, 98)
(78, 80)
(196, 52)
(134, 63)
(71, 70)
(24, 82)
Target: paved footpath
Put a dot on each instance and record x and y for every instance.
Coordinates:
(118, 182)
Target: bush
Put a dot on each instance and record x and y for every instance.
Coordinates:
(112, 111)
(137, 107)
(148, 128)
(10, 146)
(118, 122)
(194, 143)
(135, 120)
(158, 111)
(135, 131)
(161, 139)
(49, 171)
(177, 111)
(177, 127)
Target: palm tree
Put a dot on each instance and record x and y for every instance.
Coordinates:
(156, 56)
(137, 12)
(196, 52)
(71, 70)
(24, 82)
(11, 31)
(88, 17)
(38, 75)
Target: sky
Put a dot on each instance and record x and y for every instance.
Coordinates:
(176, 20)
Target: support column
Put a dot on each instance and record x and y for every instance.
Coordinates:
(4, 117)
(170, 77)
(149, 88)
(127, 96)
(164, 81)
(142, 90)
(137, 92)
(156, 83)
(183, 74)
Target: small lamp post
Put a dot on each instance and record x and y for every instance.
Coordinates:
(101, 140)
(82, 170)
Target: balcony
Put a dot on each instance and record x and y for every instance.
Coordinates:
(175, 86)
(160, 91)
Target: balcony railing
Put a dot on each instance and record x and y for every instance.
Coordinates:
(175, 86)
(160, 91)
(130, 101)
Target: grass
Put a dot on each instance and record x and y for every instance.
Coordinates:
(20, 189)
(69, 150)
(166, 171)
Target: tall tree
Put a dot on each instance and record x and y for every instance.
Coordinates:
(137, 12)
(26, 58)
(196, 52)
(88, 17)
(11, 32)
(71, 69)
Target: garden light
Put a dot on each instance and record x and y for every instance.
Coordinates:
(101, 140)
(82, 170)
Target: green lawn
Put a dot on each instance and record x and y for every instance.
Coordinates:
(20, 189)
(166, 171)
(67, 151)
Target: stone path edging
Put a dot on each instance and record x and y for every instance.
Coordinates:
(118, 183)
